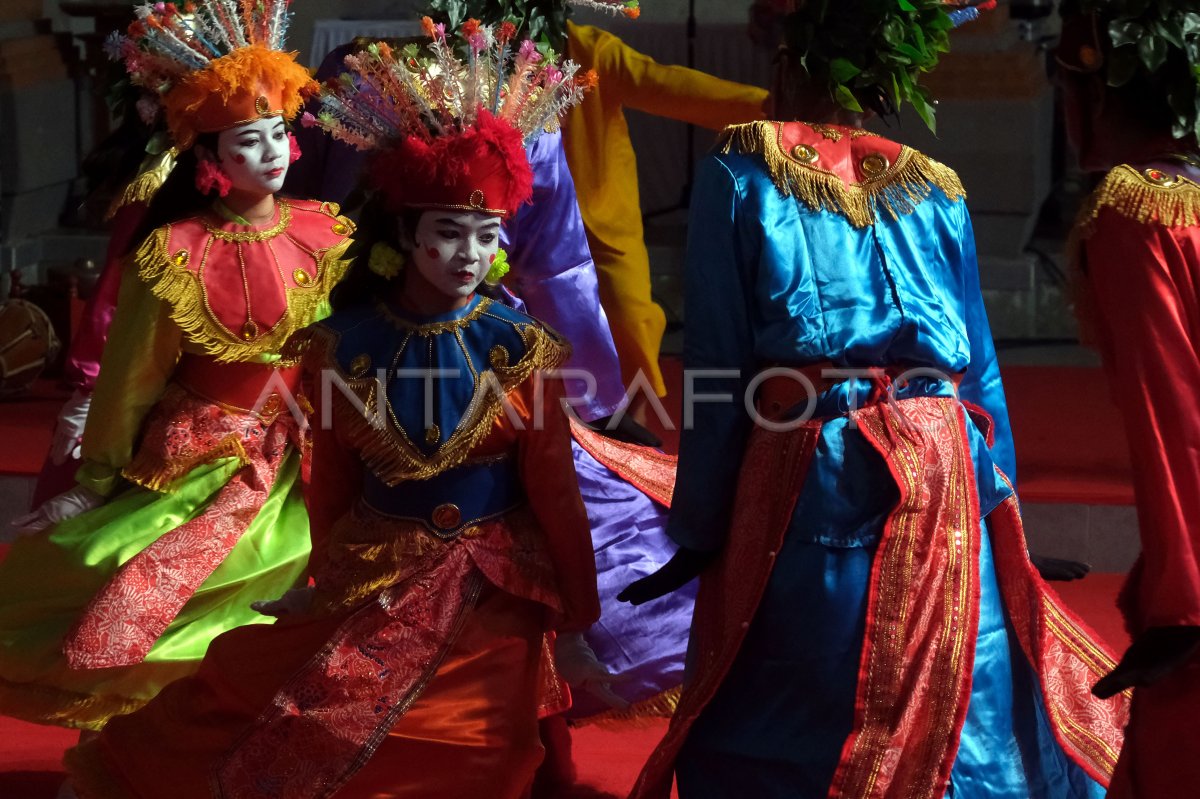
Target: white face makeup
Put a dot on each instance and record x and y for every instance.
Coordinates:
(255, 155)
(453, 250)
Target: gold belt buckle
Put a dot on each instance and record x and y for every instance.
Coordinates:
(446, 516)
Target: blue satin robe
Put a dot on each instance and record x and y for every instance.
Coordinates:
(770, 282)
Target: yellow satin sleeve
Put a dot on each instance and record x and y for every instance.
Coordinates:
(141, 352)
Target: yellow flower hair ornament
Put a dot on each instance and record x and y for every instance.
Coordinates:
(385, 260)
(498, 269)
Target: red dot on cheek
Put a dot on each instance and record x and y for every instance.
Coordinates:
(433, 253)
(491, 259)
(241, 159)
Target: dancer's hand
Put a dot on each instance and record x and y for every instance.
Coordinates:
(626, 429)
(1058, 568)
(66, 505)
(295, 602)
(68, 430)
(680, 570)
(1153, 655)
(583, 671)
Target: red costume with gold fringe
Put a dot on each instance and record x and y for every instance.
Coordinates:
(1140, 304)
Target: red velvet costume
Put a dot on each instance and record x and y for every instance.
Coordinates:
(1141, 303)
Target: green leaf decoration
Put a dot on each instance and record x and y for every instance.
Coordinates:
(1157, 43)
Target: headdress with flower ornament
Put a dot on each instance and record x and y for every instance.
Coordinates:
(213, 64)
(544, 21)
(448, 131)
(871, 51)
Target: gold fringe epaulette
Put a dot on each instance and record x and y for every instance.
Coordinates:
(1147, 195)
(898, 190)
(386, 449)
(180, 288)
(152, 174)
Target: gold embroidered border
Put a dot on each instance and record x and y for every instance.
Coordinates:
(1130, 193)
(182, 290)
(661, 705)
(436, 328)
(385, 447)
(882, 695)
(898, 190)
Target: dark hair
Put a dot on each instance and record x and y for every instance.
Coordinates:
(375, 225)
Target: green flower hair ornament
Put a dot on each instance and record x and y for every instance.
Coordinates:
(1159, 40)
(498, 269)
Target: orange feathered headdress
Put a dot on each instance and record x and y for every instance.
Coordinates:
(215, 64)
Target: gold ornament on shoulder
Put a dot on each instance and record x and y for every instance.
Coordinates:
(805, 154)
(875, 165)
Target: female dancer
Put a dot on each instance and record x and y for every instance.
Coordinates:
(188, 502)
(448, 531)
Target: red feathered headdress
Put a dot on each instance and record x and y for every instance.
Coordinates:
(449, 132)
(483, 168)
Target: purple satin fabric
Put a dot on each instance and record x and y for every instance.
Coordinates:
(554, 274)
(647, 642)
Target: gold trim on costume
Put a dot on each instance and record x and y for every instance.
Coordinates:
(898, 189)
(384, 445)
(434, 328)
(1147, 195)
(186, 294)
(153, 173)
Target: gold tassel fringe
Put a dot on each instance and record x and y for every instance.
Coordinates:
(1129, 192)
(152, 174)
(640, 714)
(898, 191)
(180, 288)
(387, 451)
(152, 473)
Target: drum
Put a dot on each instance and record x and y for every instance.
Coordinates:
(27, 345)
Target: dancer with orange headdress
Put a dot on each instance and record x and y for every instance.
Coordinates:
(448, 530)
(188, 504)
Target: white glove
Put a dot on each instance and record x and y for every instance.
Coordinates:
(66, 505)
(294, 603)
(579, 666)
(68, 430)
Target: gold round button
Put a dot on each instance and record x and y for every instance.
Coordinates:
(340, 229)
(249, 331)
(181, 258)
(1158, 177)
(262, 105)
(875, 165)
(433, 434)
(447, 516)
(301, 277)
(805, 153)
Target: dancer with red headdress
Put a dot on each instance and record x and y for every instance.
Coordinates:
(448, 531)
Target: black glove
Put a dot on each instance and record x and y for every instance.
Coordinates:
(1153, 655)
(680, 570)
(1058, 568)
(626, 430)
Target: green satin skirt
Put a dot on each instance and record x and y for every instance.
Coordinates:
(48, 579)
